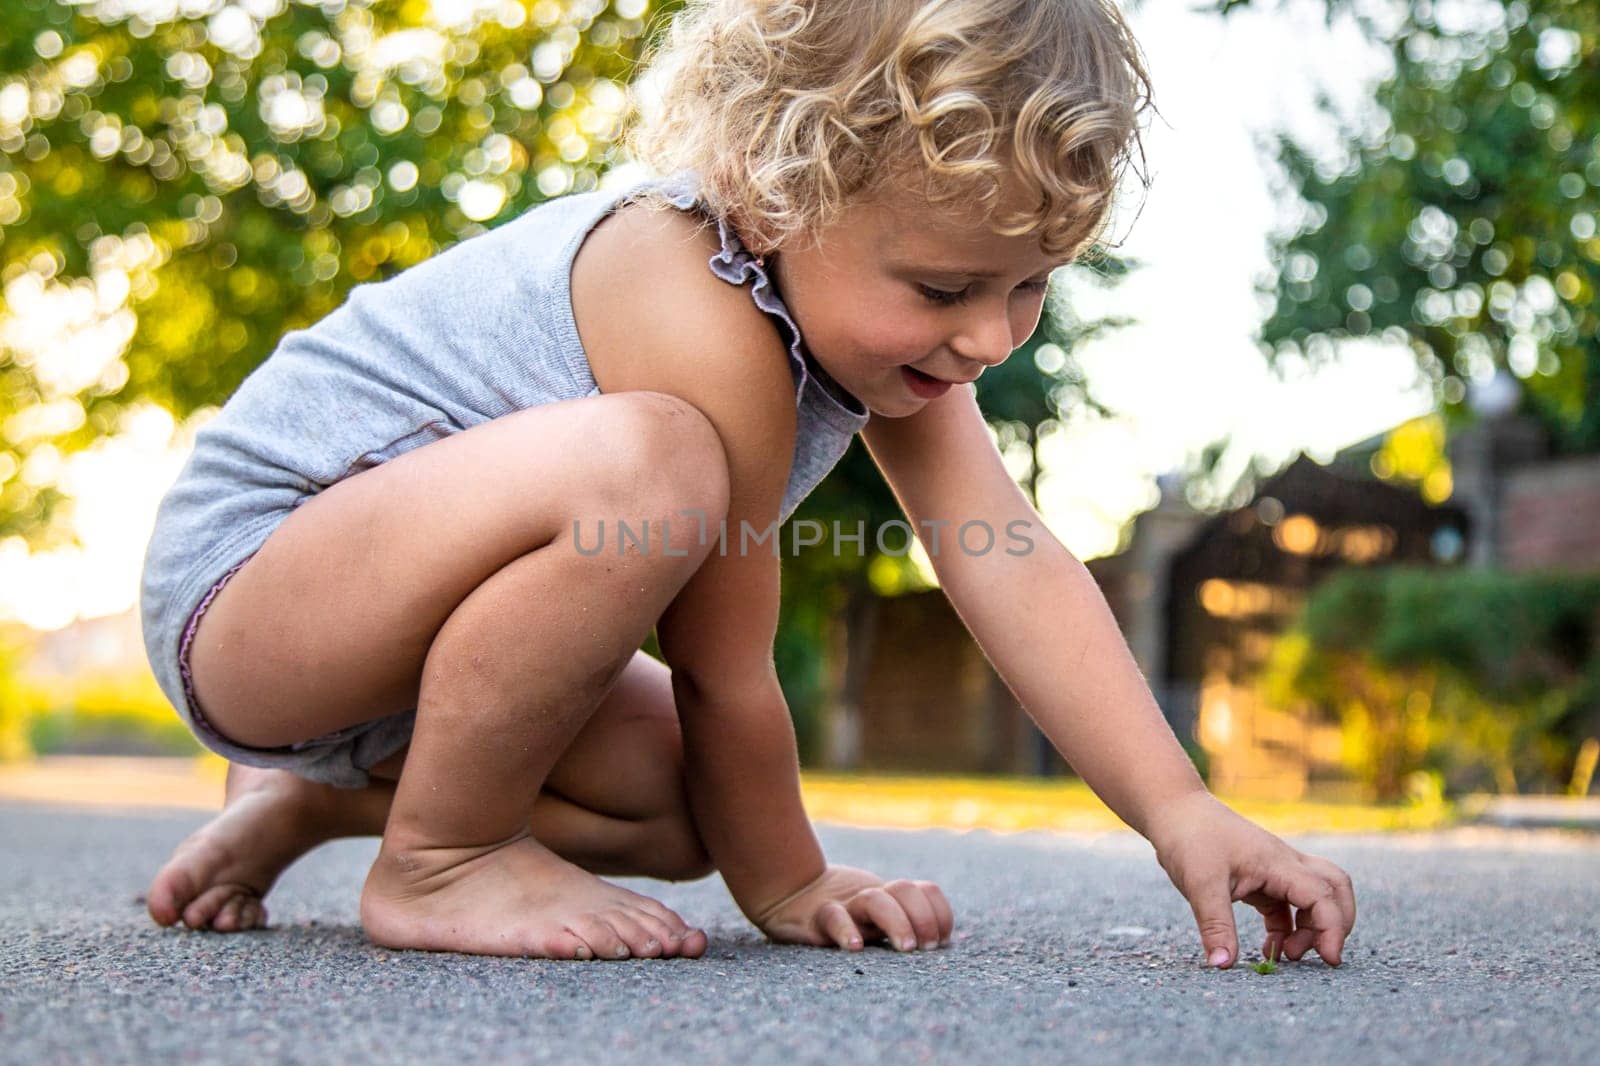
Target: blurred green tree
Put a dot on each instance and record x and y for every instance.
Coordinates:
(204, 176)
(1463, 219)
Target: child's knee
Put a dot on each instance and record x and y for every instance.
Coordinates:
(678, 452)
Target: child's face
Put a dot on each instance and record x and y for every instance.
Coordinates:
(878, 293)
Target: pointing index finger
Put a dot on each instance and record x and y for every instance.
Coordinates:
(1211, 899)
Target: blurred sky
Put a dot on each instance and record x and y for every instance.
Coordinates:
(1189, 373)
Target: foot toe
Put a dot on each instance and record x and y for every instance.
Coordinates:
(661, 912)
(602, 938)
(642, 941)
(231, 918)
(694, 945)
(673, 925)
(566, 944)
(255, 914)
(659, 931)
(202, 911)
(172, 890)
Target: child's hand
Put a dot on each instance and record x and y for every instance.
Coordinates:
(846, 906)
(1215, 857)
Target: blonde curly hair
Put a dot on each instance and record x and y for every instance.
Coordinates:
(789, 110)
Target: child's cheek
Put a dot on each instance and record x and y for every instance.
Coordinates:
(889, 337)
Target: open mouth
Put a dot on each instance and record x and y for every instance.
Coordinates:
(925, 385)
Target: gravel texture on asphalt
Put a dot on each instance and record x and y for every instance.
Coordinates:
(1473, 946)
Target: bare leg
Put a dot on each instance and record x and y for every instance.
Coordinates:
(447, 579)
(459, 868)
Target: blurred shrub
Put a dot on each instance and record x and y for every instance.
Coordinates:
(195, 179)
(1481, 678)
(100, 714)
(13, 706)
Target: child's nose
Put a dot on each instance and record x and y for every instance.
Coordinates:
(987, 339)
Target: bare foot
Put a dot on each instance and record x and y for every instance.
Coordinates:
(217, 877)
(516, 898)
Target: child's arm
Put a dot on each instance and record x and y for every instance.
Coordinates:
(740, 762)
(1042, 621)
(740, 758)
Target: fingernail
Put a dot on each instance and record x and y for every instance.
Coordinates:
(929, 945)
(1219, 957)
(908, 945)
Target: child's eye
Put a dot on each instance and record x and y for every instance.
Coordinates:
(945, 298)
(941, 296)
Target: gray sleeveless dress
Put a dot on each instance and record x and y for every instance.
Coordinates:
(480, 330)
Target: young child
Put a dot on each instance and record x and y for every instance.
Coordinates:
(375, 587)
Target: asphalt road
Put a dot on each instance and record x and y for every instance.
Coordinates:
(1477, 946)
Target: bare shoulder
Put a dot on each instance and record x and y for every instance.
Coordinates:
(652, 316)
(651, 312)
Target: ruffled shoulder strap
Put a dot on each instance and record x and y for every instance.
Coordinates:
(735, 264)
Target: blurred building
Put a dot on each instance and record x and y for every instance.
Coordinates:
(1237, 581)
(109, 645)
(1201, 597)
(915, 693)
